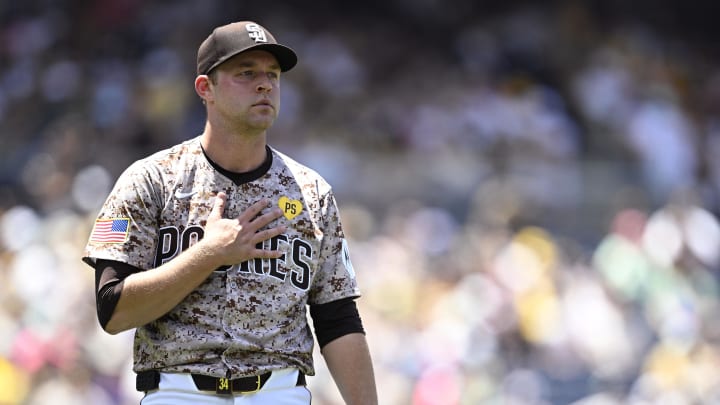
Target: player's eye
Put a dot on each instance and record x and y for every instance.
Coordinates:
(246, 75)
(251, 75)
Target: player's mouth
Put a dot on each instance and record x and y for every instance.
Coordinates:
(264, 103)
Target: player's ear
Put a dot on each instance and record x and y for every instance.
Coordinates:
(203, 88)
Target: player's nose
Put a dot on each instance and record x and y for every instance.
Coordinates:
(264, 84)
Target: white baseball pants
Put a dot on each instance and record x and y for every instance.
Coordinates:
(179, 389)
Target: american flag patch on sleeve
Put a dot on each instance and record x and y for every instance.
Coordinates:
(110, 230)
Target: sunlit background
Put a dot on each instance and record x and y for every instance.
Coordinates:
(530, 191)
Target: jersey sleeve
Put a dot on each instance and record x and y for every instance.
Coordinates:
(335, 278)
(126, 227)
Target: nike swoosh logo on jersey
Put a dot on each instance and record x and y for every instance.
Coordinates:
(179, 194)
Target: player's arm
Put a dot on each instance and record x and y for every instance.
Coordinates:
(144, 296)
(348, 359)
(110, 276)
(341, 338)
(337, 323)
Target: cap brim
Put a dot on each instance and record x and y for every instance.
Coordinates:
(285, 56)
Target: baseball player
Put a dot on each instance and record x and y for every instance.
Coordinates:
(214, 248)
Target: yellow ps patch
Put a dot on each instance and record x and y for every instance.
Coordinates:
(291, 208)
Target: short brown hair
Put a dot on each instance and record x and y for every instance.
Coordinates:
(212, 76)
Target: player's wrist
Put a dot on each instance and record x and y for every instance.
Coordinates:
(208, 254)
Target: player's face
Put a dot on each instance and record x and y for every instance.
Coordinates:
(248, 89)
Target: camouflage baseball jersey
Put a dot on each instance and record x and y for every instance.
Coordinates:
(246, 318)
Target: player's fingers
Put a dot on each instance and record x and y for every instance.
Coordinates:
(268, 234)
(265, 219)
(218, 206)
(267, 254)
(253, 213)
(253, 210)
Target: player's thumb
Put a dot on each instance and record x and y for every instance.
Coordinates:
(218, 206)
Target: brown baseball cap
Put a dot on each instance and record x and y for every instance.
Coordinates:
(231, 39)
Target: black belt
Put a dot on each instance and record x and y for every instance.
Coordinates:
(150, 380)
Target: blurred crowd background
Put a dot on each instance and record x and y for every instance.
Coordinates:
(530, 189)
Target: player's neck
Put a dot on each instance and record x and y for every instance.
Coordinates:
(233, 152)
